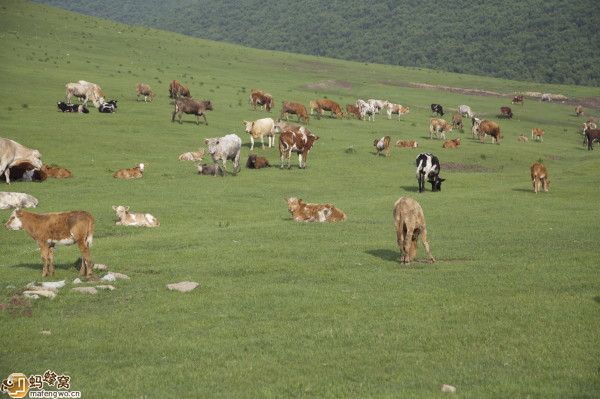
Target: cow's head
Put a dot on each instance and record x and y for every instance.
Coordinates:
(14, 221)
(248, 126)
(120, 210)
(141, 167)
(208, 105)
(212, 144)
(293, 203)
(436, 183)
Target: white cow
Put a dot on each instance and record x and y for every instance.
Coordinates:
(260, 128)
(366, 109)
(86, 91)
(13, 153)
(224, 148)
(396, 109)
(127, 218)
(17, 200)
(465, 110)
(377, 105)
(475, 127)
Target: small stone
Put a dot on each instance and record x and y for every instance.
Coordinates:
(113, 276)
(39, 288)
(105, 287)
(40, 292)
(77, 281)
(184, 286)
(85, 290)
(53, 285)
(46, 332)
(109, 277)
(448, 388)
(30, 295)
(100, 266)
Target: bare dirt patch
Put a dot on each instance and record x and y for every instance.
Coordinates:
(461, 167)
(329, 84)
(554, 157)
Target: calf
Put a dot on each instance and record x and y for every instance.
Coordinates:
(127, 218)
(56, 171)
(489, 128)
(262, 99)
(324, 104)
(517, 100)
(407, 144)
(107, 108)
(211, 170)
(579, 110)
(409, 221)
(137, 172)
(260, 128)
(17, 200)
(64, 107)
(304, 212)
(592, 135)
(298, 141)
(428, 167)
(256, 162)
(522, 138)
(457, 122)
(13, 153)
(62, 228)
(142, 89)
(437, 109)
(192, 155)
(465, 110)
(294, 108)
(537, 133)
(225, 148)
(439, 126)
(506, 112)
(539, 177)
(395, 109)
(382, 145)
(454, 143)
(191, 107)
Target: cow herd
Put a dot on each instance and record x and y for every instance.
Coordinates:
(67, 228)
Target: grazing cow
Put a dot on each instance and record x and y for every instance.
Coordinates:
(579, 110)
(522, 138)
(313, 106)
(324, 104)
(457, 122)
(127, 218)
(304, 212)
(256, 162)
(489, 128)
(410, 224)
(590, 124)
(211, 170)
(177, 90)
(395, 109)
(437, 109)
(142, 89)
(192, 155)
(64, 107)
(407, 144)
(539, 177)
(465, 110)
(62, 228)
(378, 105)
(86, 91)
(518, 99)
(17, 200)
(440, 126)
(546, 97)
(592, 135)
(382, 145)
(259, 129)
(475, 126)
(24, 171)
(352, 110)
(281, 126)
(193, 107)
(428, 167)
(537, 133)
(13, 153)
(298, 141)
(454, 143)
(506, 112)
(262, 99)
(224, 148)
(137, 172)
(56, 171)
(294, 108)
(366, 109)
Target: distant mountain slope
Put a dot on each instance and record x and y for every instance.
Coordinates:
(537, 40)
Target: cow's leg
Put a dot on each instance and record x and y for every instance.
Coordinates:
(262, 141)
(282, 156)
(400, 240)
(300, 164)
(180, 115)
(51, 261)
(426, 245)
(236, 162)
(86, 265)
(406, 244)
(173, 116)
(205, 121)
(252, 143)
(44, 254)
(289, 161)
(4, 169)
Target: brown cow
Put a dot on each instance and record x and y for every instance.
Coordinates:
(142, 89)
(352, 109)
(407, 144)
(539, 177)
(257, 162)
(299, 141)
(262, 99)
(592, 135)
(303, 212)
(506, 112)
(56, 171)
(489, 128)
(62, 228)
(579, 110)
(537, 133)
(177, 90)
(136, 172)
(454, 143)
(295, 109)
(457, 122)
(382, 145)
(193, 107)
(313, 107)
(437, 125)
(518, 99)
(410, 224)
(324, 104)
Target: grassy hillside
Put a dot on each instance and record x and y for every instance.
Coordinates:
(543, 41)
(285, 309)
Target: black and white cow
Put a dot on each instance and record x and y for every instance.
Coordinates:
(108, 107)
(437, 109)
(64, 107)
(428, 166)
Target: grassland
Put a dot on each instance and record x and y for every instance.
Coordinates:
(295, 310)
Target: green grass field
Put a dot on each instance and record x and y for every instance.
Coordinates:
(511, 308)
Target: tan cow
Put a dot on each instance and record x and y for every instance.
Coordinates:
(410, 224)
(303, 212)
(56, 171)
(13, 153)
(137, 172)
(295, 109)
(537, 134)
(407, 144)
(382, 145)
(579, 110)
(489, 128)
(325, 104)
(193, 155)
(127, 218)
(352, 109)
(539, 177)
(457, 122)
(260, 128)
(437, 125)
(395, 109)
(142, 89)
(60, 228)
(454, 143)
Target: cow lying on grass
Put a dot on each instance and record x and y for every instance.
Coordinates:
(192, 155)
(407, 144)
(24, 171)
(454, 143)
(303, 212)
(211, 170)
(56, 171)
(17, 200)
(256, 162)
(127, 218)
(137, 172)
(64, 107)
(410, 224)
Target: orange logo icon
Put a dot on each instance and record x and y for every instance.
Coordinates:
(16, 385)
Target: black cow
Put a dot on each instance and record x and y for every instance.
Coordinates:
(437, 109)
(64, 107)
(428, 166)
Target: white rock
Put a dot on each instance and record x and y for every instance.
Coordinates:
(40, 292)
(77, 281)
(46, 332)
(30, 295)
(31, 287)
(85, 290)
(113, 276)
(184, 286)
(53, 284)
(109, 277)
(9, 287)
(105, 287)
(448, 388)
(100, 266)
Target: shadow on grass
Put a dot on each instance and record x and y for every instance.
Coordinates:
(39, 266)
(412, 189)
(385, 254)
(523, 190)
(597, 299)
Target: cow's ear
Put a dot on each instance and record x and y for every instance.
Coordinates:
(205, 141)
(126, 208)
(114, 207)
(244, 122)
(441, 180)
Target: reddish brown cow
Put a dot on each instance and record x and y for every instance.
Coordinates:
(300, 142)
(56, 172)
(537, 133)
(324, 104)
(136, 172)
(295, 109)
(407, 144)
(539, 177)
(303, 212)
(518, 99)
(262, 99)
(489, 128)
(454, 143)
(352, 109)
(257, 162)
(62, 228)
(506, 112)
(176, 90)
(457, 122)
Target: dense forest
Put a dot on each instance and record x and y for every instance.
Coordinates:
(550, 41)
